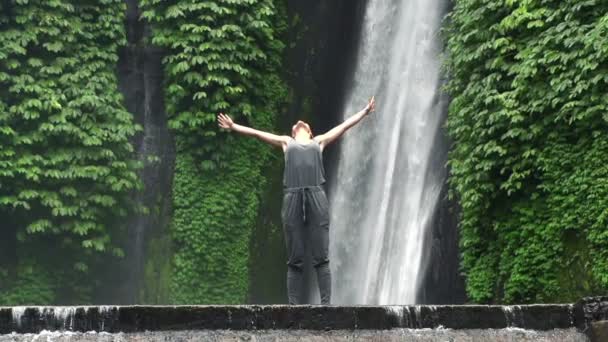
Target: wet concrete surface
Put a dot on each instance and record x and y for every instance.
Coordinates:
(585, 320)
(473, 335)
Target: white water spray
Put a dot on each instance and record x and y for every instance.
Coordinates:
(384, 195)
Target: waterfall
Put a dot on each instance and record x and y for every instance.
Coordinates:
(385, 192)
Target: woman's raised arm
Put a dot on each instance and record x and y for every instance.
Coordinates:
(224, 121)
(334, 133)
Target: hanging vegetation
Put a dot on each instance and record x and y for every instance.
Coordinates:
(67, 167)
(222, 56)
(529, 162)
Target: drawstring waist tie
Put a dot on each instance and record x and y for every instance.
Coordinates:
(301, 191)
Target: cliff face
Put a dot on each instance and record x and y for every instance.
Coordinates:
(321, 47)
(322, 40)
(140, 75)
(441, 281)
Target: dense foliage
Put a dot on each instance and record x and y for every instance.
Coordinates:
(223, 55)
(66, 164)
(529, 163)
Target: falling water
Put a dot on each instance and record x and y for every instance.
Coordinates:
(384, 195)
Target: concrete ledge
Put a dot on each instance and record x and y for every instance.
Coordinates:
(151, 318)
(539, 317)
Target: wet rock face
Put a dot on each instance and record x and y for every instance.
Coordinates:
(595, 308)
(593, 312)
(322, 42)
(140, 80)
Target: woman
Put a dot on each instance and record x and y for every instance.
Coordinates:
(305, 204)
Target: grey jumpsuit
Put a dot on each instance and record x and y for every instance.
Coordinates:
(305, 206)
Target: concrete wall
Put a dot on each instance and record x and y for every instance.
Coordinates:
(582, 321)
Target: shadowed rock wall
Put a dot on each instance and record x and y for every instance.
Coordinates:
(322, 38)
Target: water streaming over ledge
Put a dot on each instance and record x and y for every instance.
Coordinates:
(550, 322)
(384, 194)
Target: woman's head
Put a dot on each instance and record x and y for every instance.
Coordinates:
(301, 126)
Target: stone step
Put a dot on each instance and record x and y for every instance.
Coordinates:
(584, 316)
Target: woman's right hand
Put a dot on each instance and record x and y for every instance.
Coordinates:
(224, 121)
(371, 106)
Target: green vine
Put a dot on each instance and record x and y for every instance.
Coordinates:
(222, 56)
(529, 81)
(67, 167)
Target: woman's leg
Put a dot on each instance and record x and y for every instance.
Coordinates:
(324, 280)
(319, 225)
(293, 228)
(294, 285)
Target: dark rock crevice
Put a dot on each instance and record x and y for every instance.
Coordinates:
(322, 39)
(140, 78)
(441, 281)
